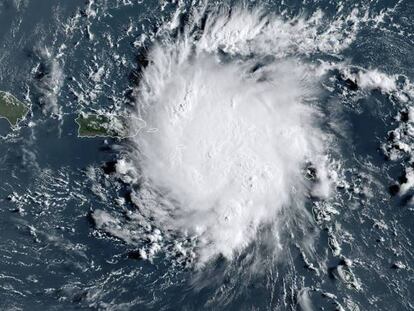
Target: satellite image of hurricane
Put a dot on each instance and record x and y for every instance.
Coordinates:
(174, 155)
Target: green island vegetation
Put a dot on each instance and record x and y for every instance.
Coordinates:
(12, 109)
(97, 125)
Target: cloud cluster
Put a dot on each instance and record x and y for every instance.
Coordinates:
(226, 138)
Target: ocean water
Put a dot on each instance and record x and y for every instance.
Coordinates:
(274, 170)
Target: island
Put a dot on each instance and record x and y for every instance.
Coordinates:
(104, 125)
(12, 109)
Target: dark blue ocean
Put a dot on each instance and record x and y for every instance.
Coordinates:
(69, 239)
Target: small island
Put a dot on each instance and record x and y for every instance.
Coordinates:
(12, 109)
(102, 125)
